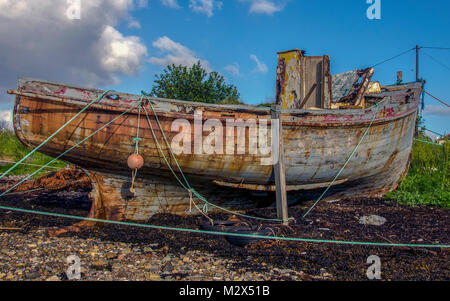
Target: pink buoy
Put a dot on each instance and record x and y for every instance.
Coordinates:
(135, 161)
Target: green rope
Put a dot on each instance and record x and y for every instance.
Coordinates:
(76, 145)
(186, 185)
(54, 134)
(345, 164)
(296, 239)
(428, 142)
(137, 139)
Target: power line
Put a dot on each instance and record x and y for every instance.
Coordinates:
(436, 48)
(394, 57)
(437, 61)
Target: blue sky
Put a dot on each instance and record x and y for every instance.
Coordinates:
(234, 30)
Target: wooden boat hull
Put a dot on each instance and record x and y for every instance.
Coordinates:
(316, 145)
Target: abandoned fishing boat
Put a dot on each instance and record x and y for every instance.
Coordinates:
(323, 119)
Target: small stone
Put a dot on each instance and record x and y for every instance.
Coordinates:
(152, 277)
(32, 275)
(7, 252)
(373, 220)
(99, 265)
(167, 258)
(168, 267)
(10, 277)
(116, 266)
(126, 251)
(53, 278)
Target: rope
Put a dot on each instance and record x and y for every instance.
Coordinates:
(76, 145)
(136, 148)
(438, 48)
(394, 57)
(44, 188)
(295, 239)
(186, 185)
(437, 61)
(441, 101)
(137, 139)
(439, 134)
(428, 142)
(54, 134)
(30, 164)
(345, 164)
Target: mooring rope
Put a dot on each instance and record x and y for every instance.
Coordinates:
(30, 164)
(136, 148)
(54, 134)
(394, 57)
(428, 142)
(441, 101)
(218, 233)
(50, 188)
(346, 162)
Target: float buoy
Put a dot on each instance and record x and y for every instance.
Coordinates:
(135, 161)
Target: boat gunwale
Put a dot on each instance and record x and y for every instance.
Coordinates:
(286, 114)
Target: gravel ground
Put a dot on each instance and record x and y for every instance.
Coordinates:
(115, 252)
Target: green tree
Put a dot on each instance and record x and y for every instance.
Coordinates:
(194, 84)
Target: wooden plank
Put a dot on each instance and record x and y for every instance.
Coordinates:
(278, 167)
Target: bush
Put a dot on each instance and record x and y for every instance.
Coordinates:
(428, 181)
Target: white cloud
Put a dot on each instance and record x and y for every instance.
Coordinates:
(206, 7)
(437, 111)
(233, 69)
(171, 3)
(40, 41)
(134, 24)
(120, 54)
(176, 54)
(260, 66)
(268, 7)
(142, 3)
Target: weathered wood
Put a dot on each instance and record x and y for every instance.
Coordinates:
(278, 167)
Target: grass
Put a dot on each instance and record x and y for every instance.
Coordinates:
(11, 149)
(428, 179)
(427, 182)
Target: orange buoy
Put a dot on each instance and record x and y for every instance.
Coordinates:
(135, 161)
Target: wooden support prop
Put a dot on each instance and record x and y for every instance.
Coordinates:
(278, 156)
